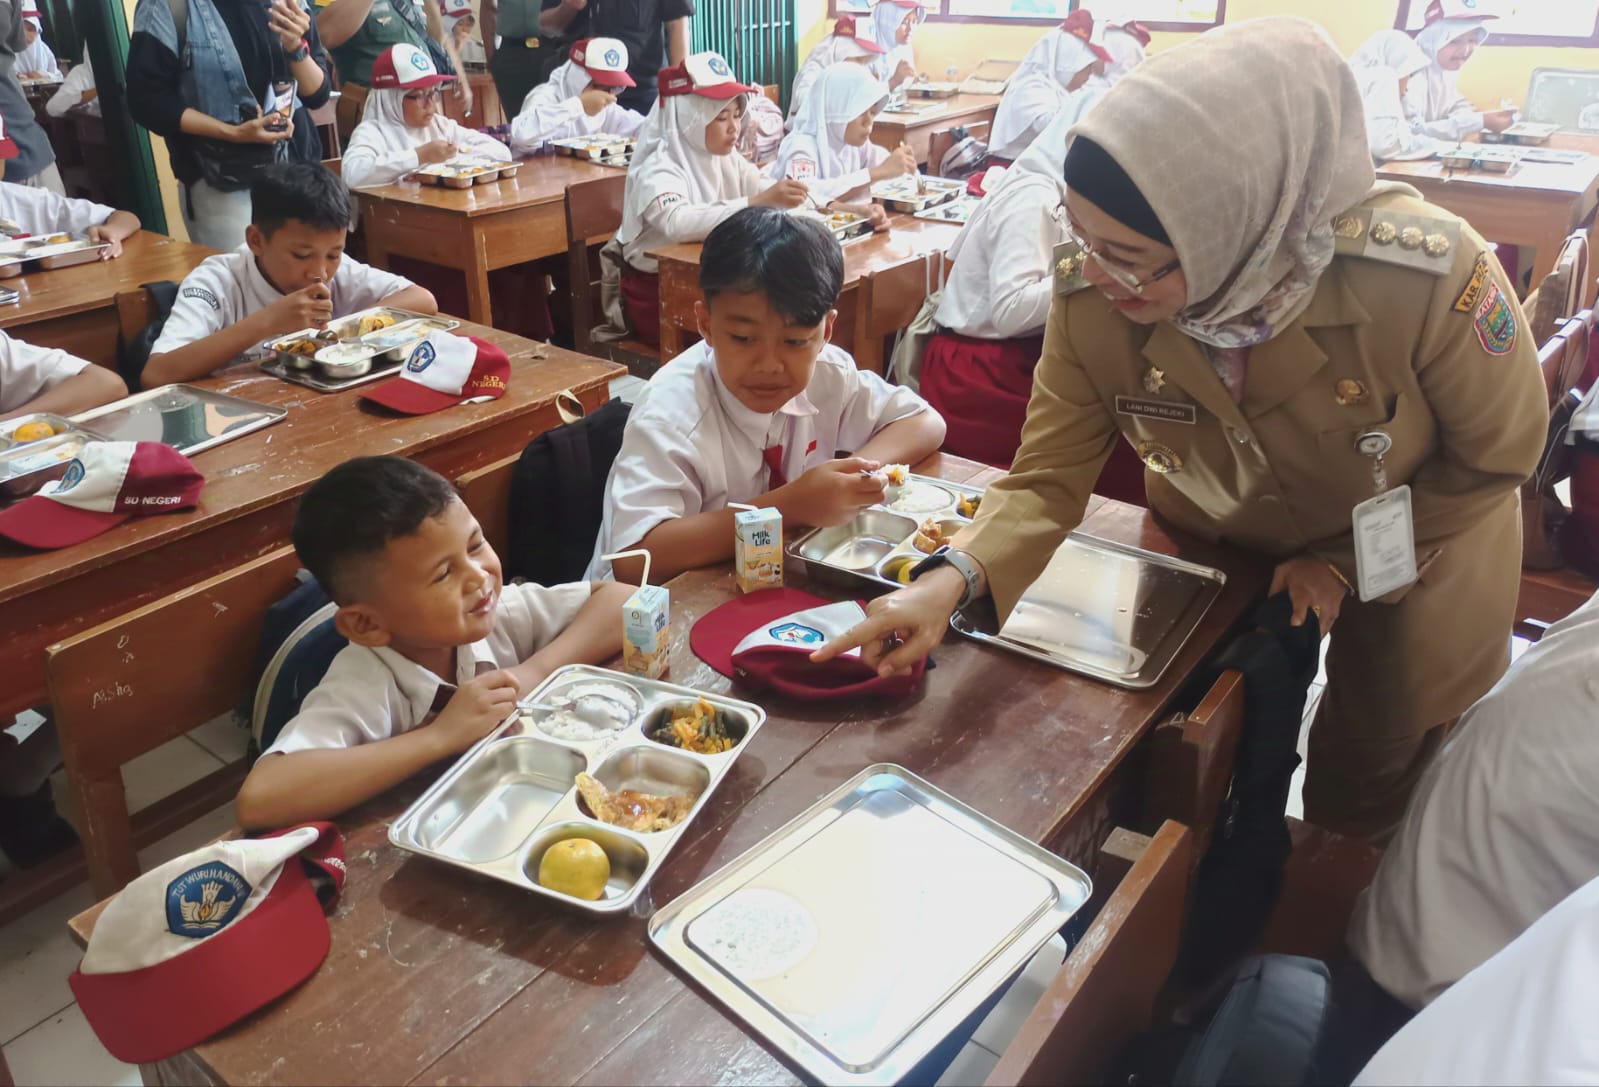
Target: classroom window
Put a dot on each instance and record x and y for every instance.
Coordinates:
(1526, 22)
(1156, 14)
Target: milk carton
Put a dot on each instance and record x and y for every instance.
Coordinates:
(758, 549)
(646, 632)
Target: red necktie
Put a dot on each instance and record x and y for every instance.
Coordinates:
(773, 456)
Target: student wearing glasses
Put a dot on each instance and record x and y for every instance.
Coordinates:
(1322, 370)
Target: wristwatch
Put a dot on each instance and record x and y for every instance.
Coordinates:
(300, 53)
(960, 562)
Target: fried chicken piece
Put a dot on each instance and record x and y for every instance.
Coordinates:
(632, 810)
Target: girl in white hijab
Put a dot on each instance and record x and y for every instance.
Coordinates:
(1127, 43)
(579, 98)
(893, 23)
(1049, 82)
(1449, 41)
(402, 128)
(831, 149)
(37, 61)
(1384, 67)
(686, 177)
(842, 45)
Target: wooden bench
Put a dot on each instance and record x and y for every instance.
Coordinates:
(127, 686)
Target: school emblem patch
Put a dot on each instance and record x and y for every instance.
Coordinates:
(719, 66)
(613, 58)
(796, 634)
(419, 62)
(74, 476)
(802, 169)
(1495, 321)
(421, 358)
(205, 900)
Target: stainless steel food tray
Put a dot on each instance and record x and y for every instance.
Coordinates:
(9, 428)
(932, 90)
(464, 173)
(598, 146)
(303, 370)
(877, 545)
(846, 225)
(959, 210)
(857, 936)
(188, 418)
(31, 253)
(27, 467)
(511, 796)
(1523, 133)
(916, 193)
(1492, 160)
(1102, 609)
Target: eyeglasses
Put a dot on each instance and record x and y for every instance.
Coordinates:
(1125, 275)
(432, 94)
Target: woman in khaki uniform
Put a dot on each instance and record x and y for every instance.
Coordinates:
(1281, 339)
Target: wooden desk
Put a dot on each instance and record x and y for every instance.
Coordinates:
(910, 241)
(893, 129)
(438, 978)
(75, 308)
(479, 229)
(251, 488)
(1537, 205)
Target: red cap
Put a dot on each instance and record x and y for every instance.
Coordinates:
(196, 945)
(8, 146)
(1134, 29)
(845, 27)
(1456, 9)
(1080, 24)
(405, 67)
(605, 60)
(445, 370)
(766, 638)
(108, 483)
(704, 74)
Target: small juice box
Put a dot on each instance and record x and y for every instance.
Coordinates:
(758, 549)
(646, 634)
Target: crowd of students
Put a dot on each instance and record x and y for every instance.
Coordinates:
(1205, 279)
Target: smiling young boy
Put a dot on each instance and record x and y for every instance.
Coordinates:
(764, 410)
(291, 273)
(440, 647)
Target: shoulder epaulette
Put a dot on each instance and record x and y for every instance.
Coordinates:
(1069, 260)
(1426, 242)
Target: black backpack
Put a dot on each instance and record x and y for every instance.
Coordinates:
(133, 355)
(558, 496)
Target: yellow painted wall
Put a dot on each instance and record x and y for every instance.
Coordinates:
(1495, 72)
(163, 166)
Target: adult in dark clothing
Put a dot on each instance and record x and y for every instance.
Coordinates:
(236, 66)
(656, 33)
(357, 32)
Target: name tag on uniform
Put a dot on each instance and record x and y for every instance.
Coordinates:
(1385, 544)
(1166, 411)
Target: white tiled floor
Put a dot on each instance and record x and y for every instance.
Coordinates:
(45, 1037)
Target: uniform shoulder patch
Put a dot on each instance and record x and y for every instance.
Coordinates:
(200, 294)
(1473, 292)
(1068, 268)
(1495, 321)
(667, 199)
(801, 169)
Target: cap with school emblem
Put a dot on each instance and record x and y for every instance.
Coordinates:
(605, 60)
(108, 483)
(704, 74)
(1160, 458)
(407, 68)
(442, 371)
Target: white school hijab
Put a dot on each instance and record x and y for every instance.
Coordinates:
(887, 18)
(831, 50)
(383, 133)
(671, 159)
(843, 93)
(1126, 53)
(1393, 131)
(1037, 92)
(1443, 89)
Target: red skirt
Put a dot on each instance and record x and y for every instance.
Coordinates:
(981, 388)
(641, 303)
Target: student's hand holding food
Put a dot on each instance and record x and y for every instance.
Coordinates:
(289, 22)
(786, 193)
(900, 161)
(308, 307)
(435, 151)
(259, 129)
(595, 98)
(904, 626)
(474, 709)
(113, 244)
(831, 493)
(1312, 587)
(1498, 120)
(878, 217)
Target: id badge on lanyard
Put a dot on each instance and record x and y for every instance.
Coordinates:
(1383, 526)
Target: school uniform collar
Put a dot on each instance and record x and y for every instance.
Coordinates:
(754, 425)
(425, 692)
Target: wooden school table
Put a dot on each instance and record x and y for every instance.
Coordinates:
(438, 977)
(479, 229)
(1536, 205)
(252, 484)
(75, 308)
(901, 257)
(892, 129)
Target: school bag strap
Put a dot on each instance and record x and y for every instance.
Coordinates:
(298, 644)
(134, 354)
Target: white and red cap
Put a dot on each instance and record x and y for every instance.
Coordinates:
(455, 9)
(204, 940)
(1457, 9)
(766, 638)
(407, 68)
(845, 27)
(445, 370)
(704, 74)
(1080, 24)
(30, 12)
(8, 146)
(1133, 29)
(605, 60)
(108, 483)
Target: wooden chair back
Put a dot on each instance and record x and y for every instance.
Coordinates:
(593, 214)
(326, 119)
(129, 685)
(135, 311)
(487, 493)
(1564, 355)
(1562, 292)
(940, 140)
(890, 298)
(773, 92)
(1191, 761)
(334, 165)
(1106, 990)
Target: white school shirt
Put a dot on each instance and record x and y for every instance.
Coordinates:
(27, 371)
(373, 693)
(70, 94)
(1502, 826)
(41, 211)
(553, 110)
(1393, 133)
(229, 287)
(1003, 280)
(38, 57)
(691, 446)
(370, 163)
(1530, 1014)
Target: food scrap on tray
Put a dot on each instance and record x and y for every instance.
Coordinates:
(967, 506)
(698, 728)
(633, 810)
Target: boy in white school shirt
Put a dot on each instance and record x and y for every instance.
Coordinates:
(759, 410)
(48, 379)
(38, 212)
(440, 647)
(290, 273)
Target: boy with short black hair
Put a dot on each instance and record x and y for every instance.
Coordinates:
(440, 648)
(758, 411)
(291, 273)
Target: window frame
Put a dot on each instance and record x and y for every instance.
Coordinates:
(939, 13)
(1402, 19)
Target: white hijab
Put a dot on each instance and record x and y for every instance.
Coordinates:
(843, 93)
(1267, 124)
(570, 79)
(671, 157)
(1384, 59)
(887, 18)
(1050, 65)
(1040, 168)
(383, 129)
(1443, 89)
(1126, 53)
